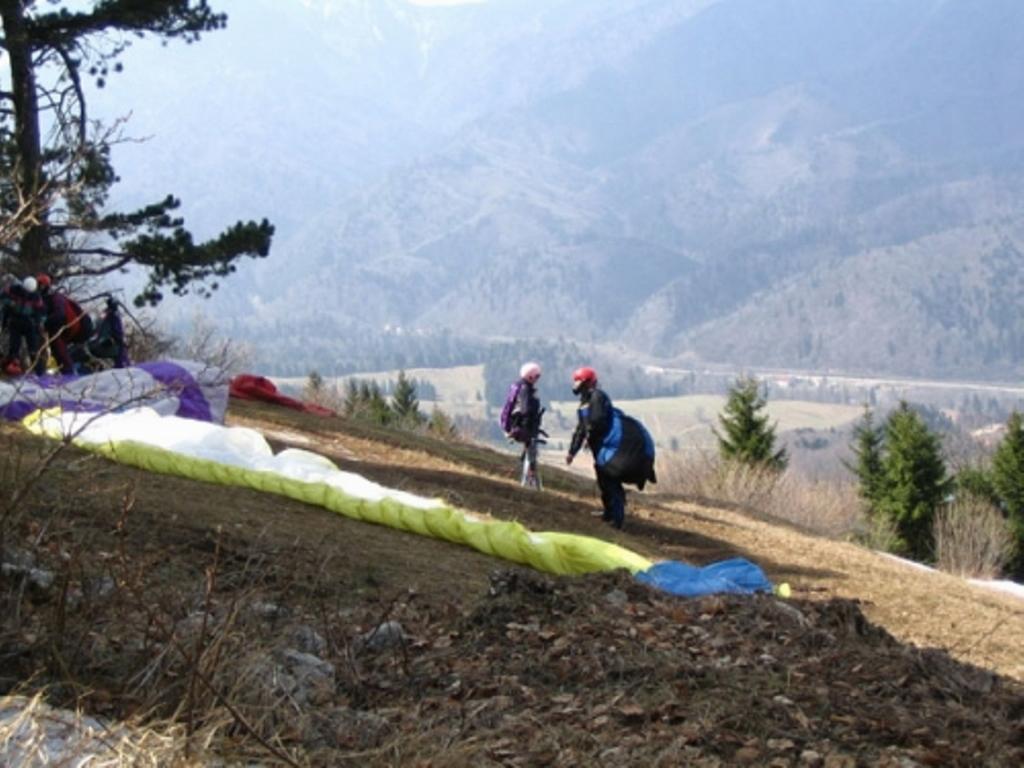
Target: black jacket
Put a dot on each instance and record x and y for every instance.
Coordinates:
(593, 416)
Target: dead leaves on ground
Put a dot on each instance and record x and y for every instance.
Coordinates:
(560, 671)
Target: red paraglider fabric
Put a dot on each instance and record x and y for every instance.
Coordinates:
(246, 386)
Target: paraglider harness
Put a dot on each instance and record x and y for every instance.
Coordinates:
(105, 348)
(530, 477)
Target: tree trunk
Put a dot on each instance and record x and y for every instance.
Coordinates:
(29, 174)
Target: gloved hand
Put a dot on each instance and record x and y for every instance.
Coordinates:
(568, 458)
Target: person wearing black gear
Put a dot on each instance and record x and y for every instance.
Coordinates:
(526, 411)
(23, 313)
(594, 420)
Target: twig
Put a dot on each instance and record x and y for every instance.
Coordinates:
(197, 651)
(981, 638)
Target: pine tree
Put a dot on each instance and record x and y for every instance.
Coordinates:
(55, 184)
(1008, 478)
(377, 405)
(748, 438)
(351, 404)
(314, 386)
(868, 467)
(916, 482)
(441, 425)
(405, 403)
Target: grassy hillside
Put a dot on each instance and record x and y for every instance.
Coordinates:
(687, 421)
(200, 605)
(676, 423)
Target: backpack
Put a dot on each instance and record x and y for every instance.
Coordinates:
(77, 321)
(627, 452)
(507, 420)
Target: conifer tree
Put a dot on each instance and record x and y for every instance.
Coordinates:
(404, 402)
(55, 183)
(1008, 477)
(314, 385)
(350, 405)
(915, 483)
(378, 408)
(868, 466)
(748, 438)
(366, 391)
(441, 425)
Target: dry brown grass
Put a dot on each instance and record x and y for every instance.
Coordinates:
(829, 508)
(33, 733)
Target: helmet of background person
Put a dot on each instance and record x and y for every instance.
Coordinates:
(530, 372)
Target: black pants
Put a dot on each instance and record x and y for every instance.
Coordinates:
(26, 331)
(613, 498)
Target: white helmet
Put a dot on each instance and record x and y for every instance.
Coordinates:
(530, 371)
(29, 284)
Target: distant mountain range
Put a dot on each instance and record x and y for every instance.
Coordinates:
(794, 183)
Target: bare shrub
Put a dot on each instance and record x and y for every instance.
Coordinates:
(972, 538)
(145, 339)
(148, 339)
(876, 532)
(830, 508)
(318, 392)
(204, 344)
(705, 475)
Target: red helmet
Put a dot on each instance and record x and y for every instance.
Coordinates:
(43, 280)
(584, 378)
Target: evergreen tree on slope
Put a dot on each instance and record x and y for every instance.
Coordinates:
(746, 435)
(868, 465)
(915, 480)
(1008, 479)
(404, 402)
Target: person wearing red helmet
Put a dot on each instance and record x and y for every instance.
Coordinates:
(65, 322)
(594, 420)
(622, 447)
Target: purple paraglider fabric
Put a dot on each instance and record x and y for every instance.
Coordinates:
(189, 389)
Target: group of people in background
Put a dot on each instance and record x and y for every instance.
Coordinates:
(622, 448)
(41, 321)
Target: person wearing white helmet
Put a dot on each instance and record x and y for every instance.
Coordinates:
(521, 415)
(24, 313)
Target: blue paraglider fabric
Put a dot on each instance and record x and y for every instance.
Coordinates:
(735, 575)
